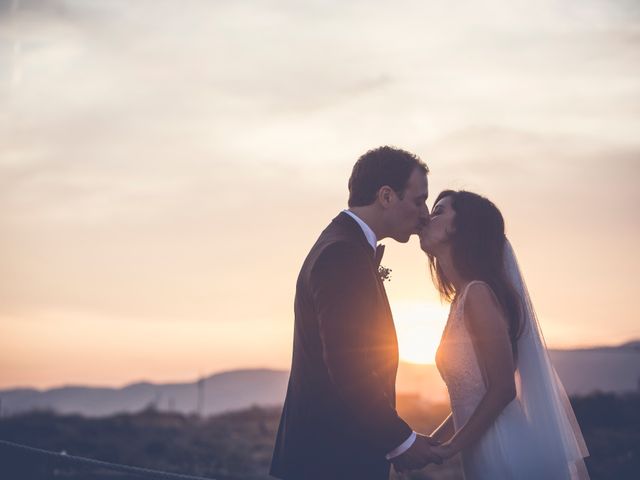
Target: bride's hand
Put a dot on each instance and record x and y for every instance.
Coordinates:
(444, 451)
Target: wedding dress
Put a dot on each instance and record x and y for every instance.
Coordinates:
(536, 436)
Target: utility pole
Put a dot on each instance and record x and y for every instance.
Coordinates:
(200, 405)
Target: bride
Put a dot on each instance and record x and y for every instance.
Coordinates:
(511, 418)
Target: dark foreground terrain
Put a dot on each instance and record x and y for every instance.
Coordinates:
(238, 445)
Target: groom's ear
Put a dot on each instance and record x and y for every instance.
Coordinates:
(385, 195)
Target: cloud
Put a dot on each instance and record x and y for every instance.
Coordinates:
(160, 159)
(576, 170)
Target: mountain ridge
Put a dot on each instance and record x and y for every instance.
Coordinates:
(583, 371)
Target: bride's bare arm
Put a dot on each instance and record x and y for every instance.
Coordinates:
(488, 328)
(445, 430)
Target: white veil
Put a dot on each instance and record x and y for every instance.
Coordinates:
(557, 436)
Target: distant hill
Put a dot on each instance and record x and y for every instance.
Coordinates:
(635, 344)
(606, 369)
(583, 371)
(221, 392)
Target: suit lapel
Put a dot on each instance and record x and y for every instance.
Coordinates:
(355, 232)
(349, 225)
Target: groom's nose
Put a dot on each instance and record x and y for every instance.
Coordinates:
(425, 217)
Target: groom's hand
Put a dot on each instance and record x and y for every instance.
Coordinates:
(419, 455)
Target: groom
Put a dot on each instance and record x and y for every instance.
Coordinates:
(339, 420)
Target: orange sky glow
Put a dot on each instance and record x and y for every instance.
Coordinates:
(165, 166)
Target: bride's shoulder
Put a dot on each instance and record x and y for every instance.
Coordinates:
(478, 291)
(480, 304)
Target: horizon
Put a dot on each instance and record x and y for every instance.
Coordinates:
(249, 368)
(165, 168)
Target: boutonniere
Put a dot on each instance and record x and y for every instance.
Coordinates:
(384, 273)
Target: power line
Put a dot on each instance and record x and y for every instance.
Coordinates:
(116, 467)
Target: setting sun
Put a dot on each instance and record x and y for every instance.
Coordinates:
(419, 326)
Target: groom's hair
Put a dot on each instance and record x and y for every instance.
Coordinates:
(379, 167)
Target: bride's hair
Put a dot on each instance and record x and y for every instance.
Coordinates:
(477, 248)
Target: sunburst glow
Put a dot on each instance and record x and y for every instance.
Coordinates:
(419, 326)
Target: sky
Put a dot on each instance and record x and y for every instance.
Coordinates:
(165, 166)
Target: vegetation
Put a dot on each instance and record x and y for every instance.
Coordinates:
(239, 444)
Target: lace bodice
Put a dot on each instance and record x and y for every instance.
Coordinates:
(458, 364)
(522, 443)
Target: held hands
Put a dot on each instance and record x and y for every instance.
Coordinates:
(419, 455)
(445, 451)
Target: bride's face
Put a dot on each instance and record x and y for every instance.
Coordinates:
(437, 232)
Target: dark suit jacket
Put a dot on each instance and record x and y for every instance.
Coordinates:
(339, 418)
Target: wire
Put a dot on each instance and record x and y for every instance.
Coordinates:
(116, 467)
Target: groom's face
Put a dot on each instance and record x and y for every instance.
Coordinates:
(407, 215)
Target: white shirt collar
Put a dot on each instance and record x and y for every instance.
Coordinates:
(368, 233)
